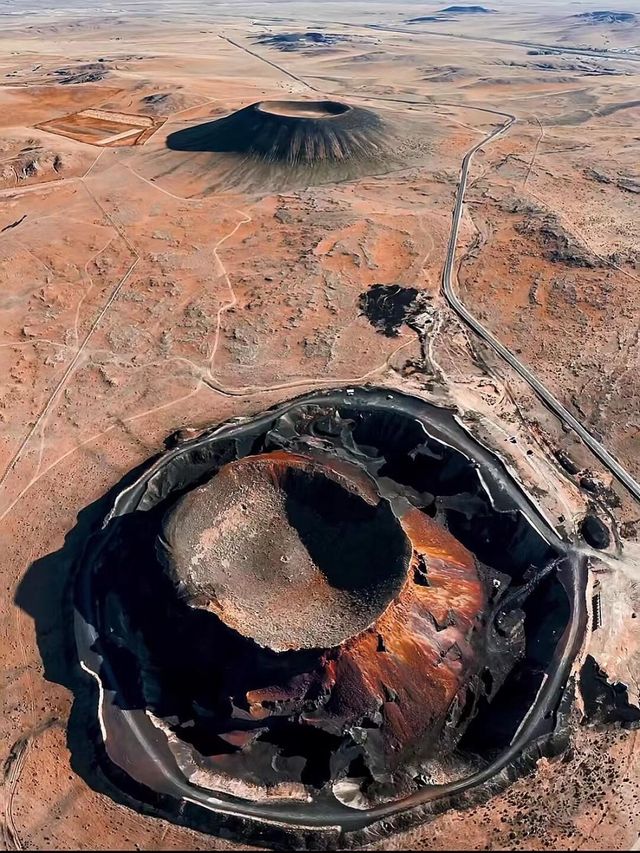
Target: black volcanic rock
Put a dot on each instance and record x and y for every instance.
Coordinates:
(89, 72)
(291, 132)
(156, 98)
(387, 306)
(567, 462)
(466, 10)
(595, 532)
(606, 702)
(298, 41)
(607, 17)
(558, 245)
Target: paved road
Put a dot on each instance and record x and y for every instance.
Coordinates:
(413, 31)
(455, 303)
(460, 309)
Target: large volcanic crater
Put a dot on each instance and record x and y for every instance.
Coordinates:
(310, 133)
(289, 143)
(327, 619)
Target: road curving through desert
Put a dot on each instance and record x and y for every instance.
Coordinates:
(455, 303)
(464, 314)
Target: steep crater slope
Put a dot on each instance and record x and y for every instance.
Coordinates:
(312, 133)
(276, 144)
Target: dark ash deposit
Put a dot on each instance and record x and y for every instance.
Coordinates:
(271, 145)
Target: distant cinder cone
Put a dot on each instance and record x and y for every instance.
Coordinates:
(293, 133)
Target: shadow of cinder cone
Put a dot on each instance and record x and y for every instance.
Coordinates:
(45, 593)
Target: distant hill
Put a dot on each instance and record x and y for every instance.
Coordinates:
(605, 17)
(466, 10)
(310, 39)
(450, 12)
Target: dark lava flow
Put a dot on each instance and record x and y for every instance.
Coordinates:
(606, 702)
(388, 306)
(328, 621)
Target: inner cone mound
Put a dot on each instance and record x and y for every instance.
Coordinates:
(287, 550)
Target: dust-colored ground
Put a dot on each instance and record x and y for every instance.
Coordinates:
(135, 300)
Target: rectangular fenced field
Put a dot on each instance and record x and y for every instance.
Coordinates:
(104, 128)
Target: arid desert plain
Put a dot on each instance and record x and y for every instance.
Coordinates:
(211, 209)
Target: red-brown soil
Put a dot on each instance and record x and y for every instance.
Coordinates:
(138, 299)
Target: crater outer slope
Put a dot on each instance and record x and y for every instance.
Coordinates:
(291, 132)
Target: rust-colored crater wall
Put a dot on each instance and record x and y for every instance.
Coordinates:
(413, 662)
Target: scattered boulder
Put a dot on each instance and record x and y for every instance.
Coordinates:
(567, 462)
(622, 182)
(89, 72)
(595, 532)
(164, 103)
(156, 98)
(590, 483)
(557, 244)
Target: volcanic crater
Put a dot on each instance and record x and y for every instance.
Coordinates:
(325, 620)
(273, 143)
(291, 132)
